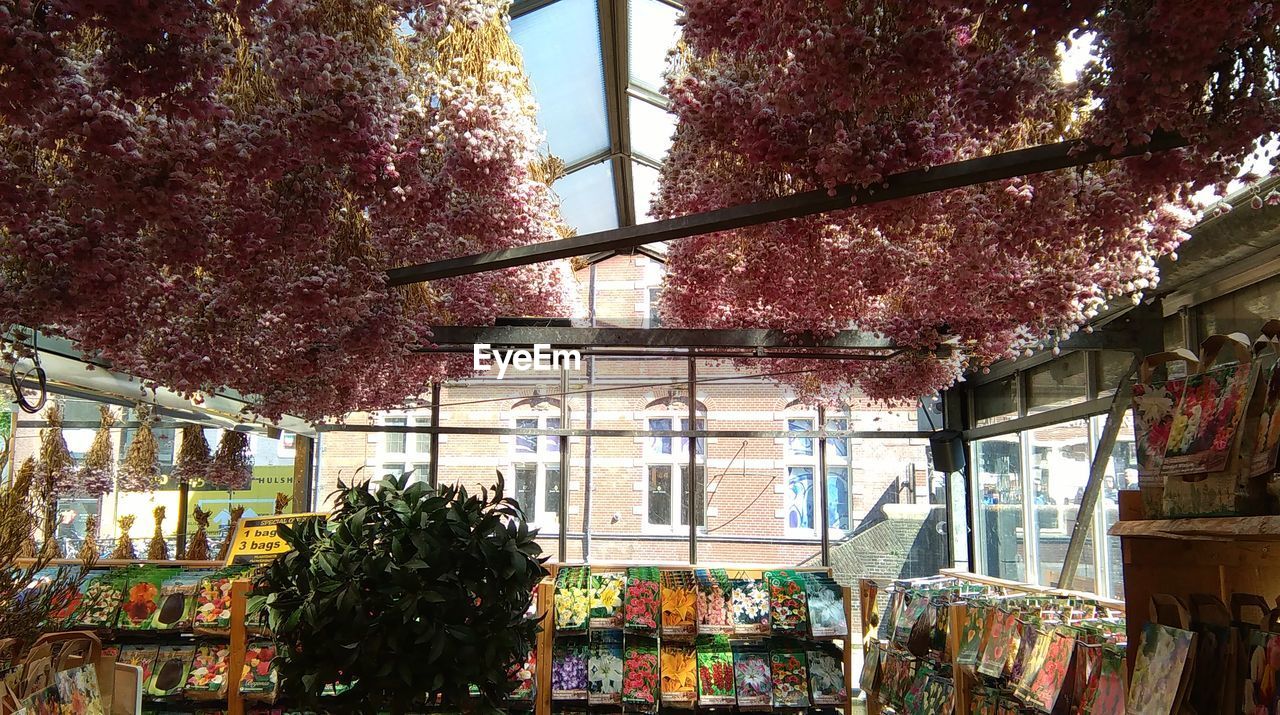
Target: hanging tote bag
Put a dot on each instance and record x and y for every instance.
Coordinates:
(1154, 402)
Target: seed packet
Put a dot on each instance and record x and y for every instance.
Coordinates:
(939, 643)
(750, 605)
(258, 678)
(173, 665)
(607, 590)
(897, 601)
(524, 676)
(604, 668)
(679, 605)
(715, 671)
(177, 602)
(790, 678)
(1000, 626)
(1046, 685)
(1105, 691)
(935, 699)
(569, 669)
(899, 673)
(640, 674)
(642, 605)
(573, 599)
(679, 675)
(207, 679)
(912, 612)
(141, 600)
(100, 597)
(825, 599)
(212, 614)
(1030, 657)
(826, 675)
(788, 607)
(714, 592)
(971, 635)
(752, 677)
(870, 678)
(143, 656)
(914, 691)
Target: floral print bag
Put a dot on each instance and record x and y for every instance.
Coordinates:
(1154, 402)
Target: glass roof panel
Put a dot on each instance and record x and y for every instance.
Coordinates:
(651, 130)
(653, 32)
(561, 48)
(645, 179)
(587, 201)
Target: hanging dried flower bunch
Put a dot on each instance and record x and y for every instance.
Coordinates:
(89, 547)
(124, 544)
(98, 471)
(282, 502)
(198, 548)
(158, 550)
(140, 470)
(236, 513)
(193, 456)
(23, 484)
(56, 468)
(232, 466)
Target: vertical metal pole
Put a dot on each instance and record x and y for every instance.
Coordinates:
(693, 461)
(304, 461)
(586, 462)
(184, 497)
(564, 464)
(1089, 502)
(821, 485)
(433, 466)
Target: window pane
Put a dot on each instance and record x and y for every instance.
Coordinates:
(1057, 383)
(660, 445)
(653, 33)
(837, 447)
(551, 443)
(587, 202)
(996, 401)
(551, 493)
(421, 440)
(1243, 311)
(1112, 366)
(651, 130)
(655, 319)
(527, 444)
(527, 490)
(392, 471)
(421, 472)
(1122, 473)
(1060, 457)
(1002, 549)
(800, 446)
(660, 494)
(699, 446)
(800, 498)
(838, 498)
(393, 442)
(644, 184)
(699, 496)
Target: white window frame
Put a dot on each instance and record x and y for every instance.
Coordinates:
(846, 463)
(796, 459)
(543, 456)
(678, 462)
(411, 457)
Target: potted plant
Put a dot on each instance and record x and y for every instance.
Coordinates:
(407, 594)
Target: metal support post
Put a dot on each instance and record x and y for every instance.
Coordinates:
(433, 467)
(564, 465)
(692, 475)
(821, 486)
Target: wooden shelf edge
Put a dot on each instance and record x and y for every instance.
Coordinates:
(1217, 528)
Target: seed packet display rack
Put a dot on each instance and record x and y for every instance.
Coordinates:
(550, 636)
(236, 633)
(963, 677)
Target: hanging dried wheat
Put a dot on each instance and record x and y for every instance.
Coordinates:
(282, 502)
(193, 456)
(232, 466)
(98, 471)
(158, 549)
(89, 547)
(21, 505)
(236, 513)
(140, 470)
(124, 544)
(198, 548)
(56, 468)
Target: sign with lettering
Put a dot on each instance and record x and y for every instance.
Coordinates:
(256, 540)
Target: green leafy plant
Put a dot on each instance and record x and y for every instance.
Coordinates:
(406, 594)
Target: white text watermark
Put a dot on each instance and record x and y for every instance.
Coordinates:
(542, 359)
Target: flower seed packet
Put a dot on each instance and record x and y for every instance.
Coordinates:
(935, 699)
(750, 605)
(207, 678)
(715, 672)
(714, 593)
(870, 678)
(1105, 691)
(642, 605)
(177, 603)
(826, 675)
(100, 597)
(788, 607)
(573, 600)
(752, 676)
(790, 678)
(604, 668)
(912, 612)
(640, 674)
(173, 665)
(524, 675)
(143, 656)
(679, 605)
(569, 668)
(971, 635)
(212, 614)
(607, 590)
(258, 678)
(678, 668)
(825, 599)
(1164, 654)
(1047, 684)
(1000, 626)
(915, 688)
(141, 600)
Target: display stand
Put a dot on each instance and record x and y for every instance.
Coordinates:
(1219, 556)
(239, 642)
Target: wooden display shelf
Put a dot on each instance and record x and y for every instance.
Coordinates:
(1223, 528)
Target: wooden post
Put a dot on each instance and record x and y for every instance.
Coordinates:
(961, 677)
(303, 473)
(542, 675)
(239, 643)
(849, 644)
(868, 590)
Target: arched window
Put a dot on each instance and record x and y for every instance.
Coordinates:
(535, 481)
(801, 457)
(667, 478)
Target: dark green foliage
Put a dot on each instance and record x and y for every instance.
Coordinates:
(405, 594)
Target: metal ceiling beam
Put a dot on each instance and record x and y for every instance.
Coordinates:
(1021, 162)
(614, 60)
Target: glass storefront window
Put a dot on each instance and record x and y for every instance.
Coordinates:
(1122, 473)
(998, 507)
(1059, 470)
(1057, 383)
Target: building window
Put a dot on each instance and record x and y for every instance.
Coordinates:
(668, 481)
(422, 440)
(403, 451)
(839, 469)
(536, 466)
(391, 470)
(655, 319)
(393, 442)
(801, 497)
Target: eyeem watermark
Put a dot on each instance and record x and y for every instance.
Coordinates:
(541, 358)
